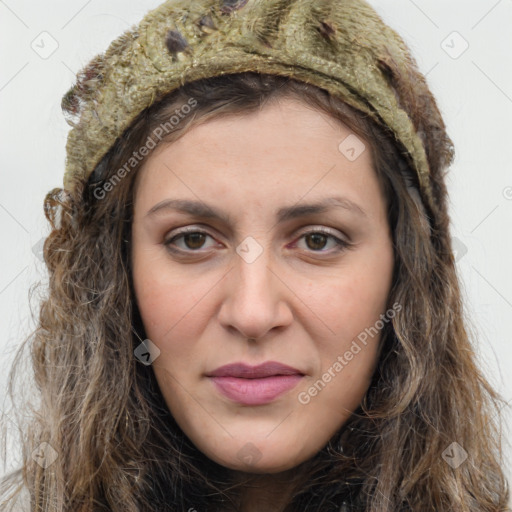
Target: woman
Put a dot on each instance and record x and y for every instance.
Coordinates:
(253, 302)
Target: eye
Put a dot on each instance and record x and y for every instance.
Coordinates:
(316, 240)
(192, 238)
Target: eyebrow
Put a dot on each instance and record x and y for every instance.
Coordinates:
(284, 214)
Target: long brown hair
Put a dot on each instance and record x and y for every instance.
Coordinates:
(118, 447)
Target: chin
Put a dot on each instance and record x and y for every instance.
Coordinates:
(263, 466)
(260, 459)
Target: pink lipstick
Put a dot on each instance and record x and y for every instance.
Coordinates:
(255, 385)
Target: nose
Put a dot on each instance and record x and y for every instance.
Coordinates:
(256, 298)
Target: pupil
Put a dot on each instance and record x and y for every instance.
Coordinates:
(317, 239)
(196, 238)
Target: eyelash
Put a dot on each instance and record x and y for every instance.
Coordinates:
(341, 244)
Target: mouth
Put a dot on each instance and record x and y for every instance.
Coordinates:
(255, 385)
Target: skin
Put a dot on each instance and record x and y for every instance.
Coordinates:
(302, 301)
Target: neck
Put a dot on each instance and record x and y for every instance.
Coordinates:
(267, 492)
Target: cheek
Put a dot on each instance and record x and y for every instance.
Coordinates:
(353, 307)
(173, 305)
(160, 297)
(348, 356)
(355, 300)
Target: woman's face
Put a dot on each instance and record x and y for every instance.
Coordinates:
(233, 265)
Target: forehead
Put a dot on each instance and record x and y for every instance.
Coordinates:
(286, 149)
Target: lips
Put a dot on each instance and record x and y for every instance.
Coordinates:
(244, 371)
(255, 385)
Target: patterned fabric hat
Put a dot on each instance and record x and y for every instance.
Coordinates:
(342, 46)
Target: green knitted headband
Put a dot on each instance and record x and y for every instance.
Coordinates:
(342, 46)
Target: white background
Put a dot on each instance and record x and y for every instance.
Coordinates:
(474, 93)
